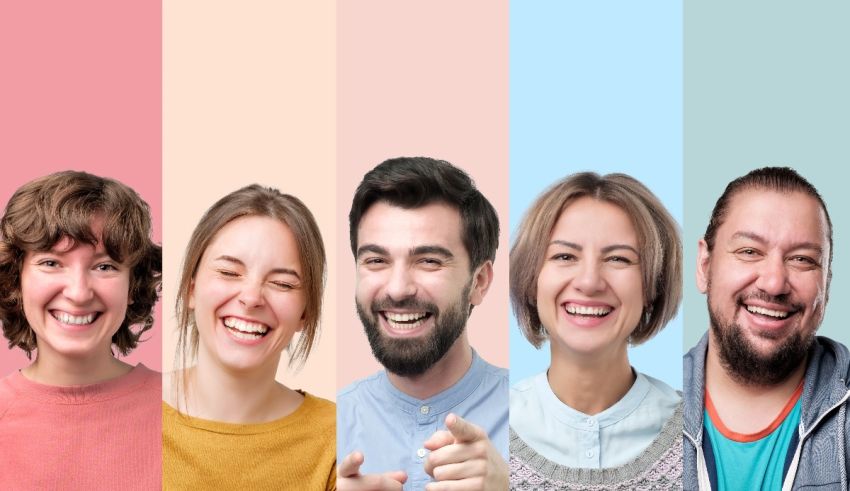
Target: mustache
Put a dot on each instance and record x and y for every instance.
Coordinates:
(410, 303)
(783, 300)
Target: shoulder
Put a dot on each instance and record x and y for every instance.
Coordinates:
(7, 394)
(356, 389)
(660, 390)
(320, 409)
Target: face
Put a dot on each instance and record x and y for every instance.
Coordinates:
(248, 296)
(75, 298)
(766, 283)
(590, 287)
(414, 285)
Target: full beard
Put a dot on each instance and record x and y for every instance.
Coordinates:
(409, 357)
(744, 363)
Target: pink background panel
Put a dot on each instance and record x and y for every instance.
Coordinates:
(427, 79)
(81, 90)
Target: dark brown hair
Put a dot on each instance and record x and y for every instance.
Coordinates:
(255, 200)
(414, 182)
(46, 210)
(658, 240)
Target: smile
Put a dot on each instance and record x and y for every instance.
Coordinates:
(775, 314)
(588, 311)
(242, 329)
(406, 321)
(74, 320)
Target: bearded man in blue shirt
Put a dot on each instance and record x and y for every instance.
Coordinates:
(424, 240)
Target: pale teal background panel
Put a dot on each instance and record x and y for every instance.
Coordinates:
(596, 86)
(767, 83)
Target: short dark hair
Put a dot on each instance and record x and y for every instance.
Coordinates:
(63, 204)
(779, 179)
(413, 182)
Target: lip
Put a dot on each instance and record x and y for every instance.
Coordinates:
(587, 322)
(765, 323)
(75, 313)
(391, 331)
(243, 342)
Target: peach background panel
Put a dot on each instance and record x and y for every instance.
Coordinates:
(426, 79)
(81, 90)
(248, 97)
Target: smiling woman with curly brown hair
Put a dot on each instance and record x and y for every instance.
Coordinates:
(79, 278)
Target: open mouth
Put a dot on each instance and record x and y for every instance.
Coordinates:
(587, 311)
(771, 314)
(246, 330)
(74, 320)
(406, 321)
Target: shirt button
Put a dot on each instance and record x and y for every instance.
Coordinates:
(590, 422)
(589, 453)
(424, 409)
(421, 453)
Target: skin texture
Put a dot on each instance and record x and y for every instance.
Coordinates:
(771, 252)
(79, 280)
(413, 261)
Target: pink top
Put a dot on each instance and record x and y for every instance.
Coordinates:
(99, 436)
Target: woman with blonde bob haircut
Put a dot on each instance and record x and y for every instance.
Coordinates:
(596, 266)
(253, 277)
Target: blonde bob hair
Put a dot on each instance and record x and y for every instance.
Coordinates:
(659, 246)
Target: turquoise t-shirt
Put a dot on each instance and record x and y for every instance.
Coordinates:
(752, 465)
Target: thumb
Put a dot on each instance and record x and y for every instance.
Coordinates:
(463, 430)
(350, 465)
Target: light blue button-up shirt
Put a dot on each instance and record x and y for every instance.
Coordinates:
(389, 426)
(607, 439)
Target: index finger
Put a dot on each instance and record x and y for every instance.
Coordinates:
(463, 430)
(350, 465)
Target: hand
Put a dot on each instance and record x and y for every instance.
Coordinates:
(349, 477)
(464, 458)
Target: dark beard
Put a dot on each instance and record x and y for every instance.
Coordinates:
(744, 363)
(409, 357)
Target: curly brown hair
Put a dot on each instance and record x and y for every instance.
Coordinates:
(63, 205)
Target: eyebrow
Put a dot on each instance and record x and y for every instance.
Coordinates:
(237, 261)
(762, 240)
(605, 250)
(416, 251)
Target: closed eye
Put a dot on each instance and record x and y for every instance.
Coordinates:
(620, 259)
(282, 285)
(227, 273)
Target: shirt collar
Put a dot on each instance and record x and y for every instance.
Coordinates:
(440, 403)
(580, 421)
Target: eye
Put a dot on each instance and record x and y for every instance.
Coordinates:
(748, 253)
(283, 285)
(106, 267)
(374, 261)
(48, 263)
(804, 261)
(227, 273)
(563, 257)
(431, 263)
(620, 260)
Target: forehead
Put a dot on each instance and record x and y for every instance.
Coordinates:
(256, 238)
(592, 217)
(780, 217)
(391, 226)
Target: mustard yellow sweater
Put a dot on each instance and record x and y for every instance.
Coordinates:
(294, 452)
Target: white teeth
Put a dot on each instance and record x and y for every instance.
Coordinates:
(405, 317)
(583, 310)
(73, 320)
(251, 328)
(763, 311)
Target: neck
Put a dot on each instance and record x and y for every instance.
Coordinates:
(442, 375)
(590, 383)
(742, 407)
(51, 368)
(219, 393)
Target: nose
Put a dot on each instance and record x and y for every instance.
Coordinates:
(589, 280)
(401, 284)
(78, 288)
(251, 295)
(773, 276)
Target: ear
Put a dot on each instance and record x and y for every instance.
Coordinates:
(191, 302)
(481, 280)
(703, 264)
